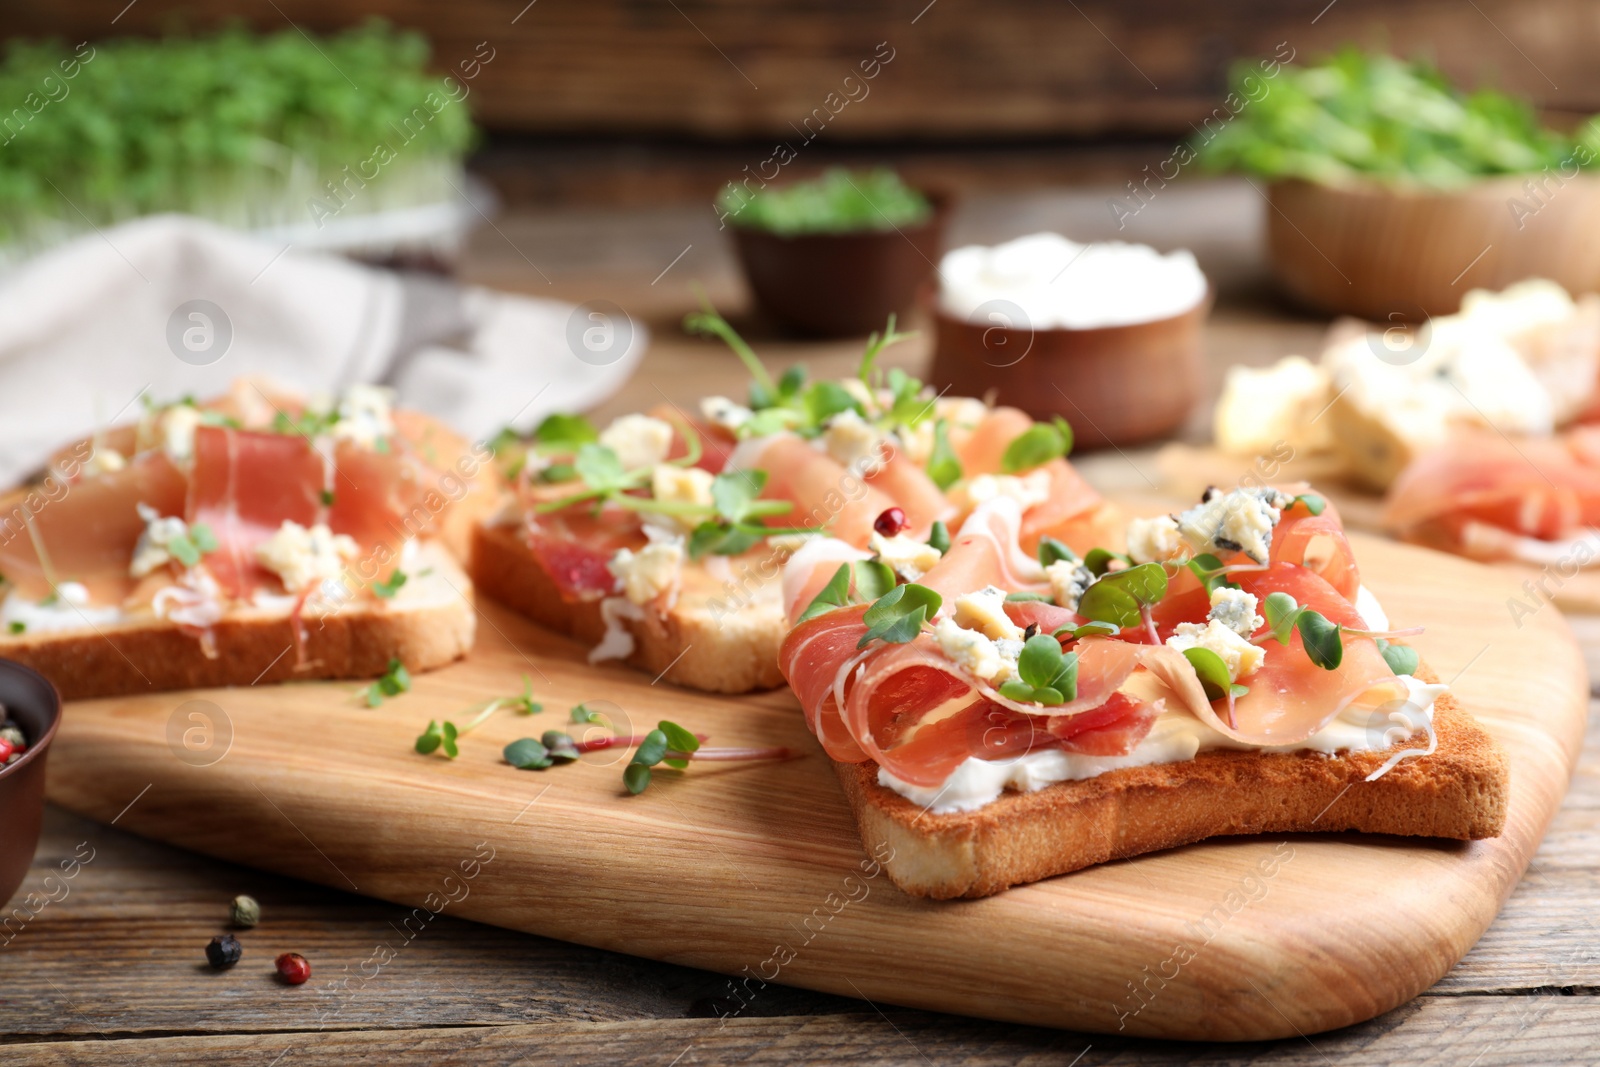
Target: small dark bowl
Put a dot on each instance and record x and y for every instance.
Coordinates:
(33, 704)
(841, 284)
(1116, 385)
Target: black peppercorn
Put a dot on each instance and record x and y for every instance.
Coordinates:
(224, 951)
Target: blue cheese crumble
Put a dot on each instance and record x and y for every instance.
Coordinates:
(1238, 521)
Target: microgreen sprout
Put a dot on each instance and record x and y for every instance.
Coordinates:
(394, 681)
(1046, 675)
(853, 583)
(443, 736)
(944, 466)
(187, 548)
(1036, 446)
(939, 536)
(582, 713)
(1124, 598)
(899, 615)
(387, 588)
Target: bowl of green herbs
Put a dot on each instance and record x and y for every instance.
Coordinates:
(834, 256)
(348, 142)
(1391, 192)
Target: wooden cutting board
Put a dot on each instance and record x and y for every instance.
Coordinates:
(756, 870)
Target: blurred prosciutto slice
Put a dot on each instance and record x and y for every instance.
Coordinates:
(826, 493)
(1074, 511)
(245, 485)
(87, 528)
(1484, 496)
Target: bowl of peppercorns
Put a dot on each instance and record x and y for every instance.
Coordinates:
(30, 710)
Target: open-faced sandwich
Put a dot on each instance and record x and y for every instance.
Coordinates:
(257, 537)
(1011, 715)
(659, 540)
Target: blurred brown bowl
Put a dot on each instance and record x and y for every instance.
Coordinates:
(841, 284)
(33, 704)
(1116, 385)
(1389, 255)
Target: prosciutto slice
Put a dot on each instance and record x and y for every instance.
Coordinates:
(1481, 494)
(1069, 515)
(245, 485)
(87, 528)
(918, 715)
(824, 493)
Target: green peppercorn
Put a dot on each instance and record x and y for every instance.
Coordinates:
(245, 911)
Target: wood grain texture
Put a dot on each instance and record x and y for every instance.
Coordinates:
(768, 856)
(712, 68)
(1435, 1032)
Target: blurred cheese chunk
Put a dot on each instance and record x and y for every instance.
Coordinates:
(1262, 409)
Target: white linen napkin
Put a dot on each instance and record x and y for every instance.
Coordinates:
(171, 305)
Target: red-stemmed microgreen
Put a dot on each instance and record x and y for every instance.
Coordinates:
(1124, 598)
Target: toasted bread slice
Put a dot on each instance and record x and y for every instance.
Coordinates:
(428, 623)
(1458, 792)
(712, 639)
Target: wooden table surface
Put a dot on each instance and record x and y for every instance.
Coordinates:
(111, 970)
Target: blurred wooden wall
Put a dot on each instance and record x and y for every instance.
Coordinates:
(960, 69)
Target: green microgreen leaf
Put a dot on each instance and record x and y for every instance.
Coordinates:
(1321, 639)
(636, 777)
(524, 704)
(939, 536)
(1281, 613)
(678, 740)
(1211, 670)
(1402, 659)
(826, 399)
(1208, 568)
(836, 594)
(872, 579)
(944, 466)
(1022, 596)
(1042, 663)
(560, 746)
(720, 539)
(708, 323)
(733, 494)
(1036, 446)
(182, 549)
(391, 585)
(1313, 503)
(600, 468)
(449, 740)
(1099, 560)
(876, 344)
(203, 538)
(394, 681)
(1121, 596)
(583, 713)
(899, 615)
(652, 749)
(528, 755)
(791, 382)
(429, 739)
(1053, 551)
(1089, 629)
(565, 433)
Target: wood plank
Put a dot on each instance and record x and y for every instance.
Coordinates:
(358, 810)
(714, 68)
(1431, 1032)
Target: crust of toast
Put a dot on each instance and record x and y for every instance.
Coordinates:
(695, 644)
(1458, 792)
(257, 646)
